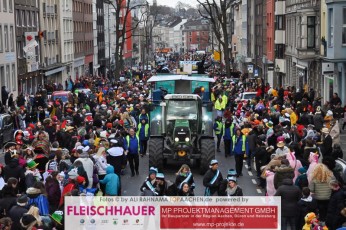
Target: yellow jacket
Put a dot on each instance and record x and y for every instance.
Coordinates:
(293, 118)
(224, 101)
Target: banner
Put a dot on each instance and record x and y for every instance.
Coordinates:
(144, 212)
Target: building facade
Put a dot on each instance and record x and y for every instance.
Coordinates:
(334, 63)
(8, 66)
(51, 66)
(83, 38)
(279, 68)
(257, 38)
(196, 34)
(27, 42)
(66, 38)
(302, 45)
(100, 25)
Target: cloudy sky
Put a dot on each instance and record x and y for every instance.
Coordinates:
(173, 3)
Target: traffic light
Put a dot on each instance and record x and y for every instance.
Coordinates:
(40, 34)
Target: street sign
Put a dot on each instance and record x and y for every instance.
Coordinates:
(256, 73)
(250, 68)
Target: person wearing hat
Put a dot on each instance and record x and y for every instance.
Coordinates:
(9, 150)
(132, 147)
(318, 119)
(223, 185)
(282, 149)
(18, 210)
(58, 219)
(149, 185)
(232, 188)
(161, 186)
(32, 174)
(112, 182)
(28, 221)
(310, 132)
(212, 179)
(328, 119)
(143, 132)
(87, 163)
(101, 165)
(218, 129)
(240, 148)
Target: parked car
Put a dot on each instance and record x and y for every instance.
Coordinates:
(6, 129)
(65, 96)
(248, 96)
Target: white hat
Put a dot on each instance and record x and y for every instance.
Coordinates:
(329, 113)
(80, 147)
(103, 134)
(287, 115)
(86, 149)
(265, 120)
(114, 141)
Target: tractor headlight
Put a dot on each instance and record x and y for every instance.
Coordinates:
(205, 118)
(187, 139)
(176, 139)
(158, 117)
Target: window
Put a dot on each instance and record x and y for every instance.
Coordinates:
(19, 49)
(279, 22)
(10, 5)
(28, 18)
(33, 18)
(311, 32)
(331, 28)
(280, 51)
(1, 40)
(22, 14)
(14, 77)
(18, 23)
(2, 75)
(4, 5)
(344, 27)
(8, 77)
(6, 38)
(12, 38)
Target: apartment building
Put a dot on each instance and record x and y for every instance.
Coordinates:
(8, 62)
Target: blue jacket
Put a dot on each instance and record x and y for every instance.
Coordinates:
(142, 134)
(112, 182)
(228, 132)
(238, 146)
(143, 116)
(133, 145)
(41, 202)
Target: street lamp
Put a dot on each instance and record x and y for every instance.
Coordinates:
(277, 70)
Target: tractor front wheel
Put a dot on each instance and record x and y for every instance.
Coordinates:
(207, 154)
(156, 153)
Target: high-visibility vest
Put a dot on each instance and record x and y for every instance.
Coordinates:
(128, 142)
(244, 142)
(224, 101)
(218, 105)
(230, 129)
(146, 129)
(219, 127)
(140, 115)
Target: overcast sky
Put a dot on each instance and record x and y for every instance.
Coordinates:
(173, 3)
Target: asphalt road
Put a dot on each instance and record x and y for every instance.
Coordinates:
(131, 185)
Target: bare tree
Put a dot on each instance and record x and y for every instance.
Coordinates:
(123, 29)
(216, 12)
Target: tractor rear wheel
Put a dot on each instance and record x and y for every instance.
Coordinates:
(156, 153)
(207, 154)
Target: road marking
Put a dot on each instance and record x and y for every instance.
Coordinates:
(254, 181)
(250, 173)
(246, 166)
(244, 161)
(259, 191)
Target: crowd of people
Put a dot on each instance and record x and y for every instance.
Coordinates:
(83, 146)
(293, 141)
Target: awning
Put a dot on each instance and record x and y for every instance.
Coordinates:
(300, 66)
(53, 71)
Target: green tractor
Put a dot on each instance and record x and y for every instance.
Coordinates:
(181, 125)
